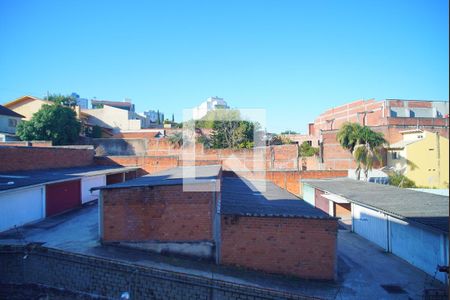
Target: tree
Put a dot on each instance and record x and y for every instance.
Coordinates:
(363, 143)
(279, 140)
(68, 100)
(306, 150)
(176, 139)
(399, 180)
(55, 122)
(288, 132)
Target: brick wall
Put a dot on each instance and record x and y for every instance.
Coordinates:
(35, 158)
(159, 213)
(301, 247)
(109, 278)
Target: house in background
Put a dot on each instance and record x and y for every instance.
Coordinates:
(8, 124)
(26, 106)
(212, 103)
(422, 156)
(112, 117)
(125, 105)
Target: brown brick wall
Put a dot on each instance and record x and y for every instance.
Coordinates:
(36, 158)
(160, 213)
(301, 247)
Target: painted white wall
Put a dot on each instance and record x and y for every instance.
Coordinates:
(370, 224)
(90, 182)
(421, 248)
(5, 124)
(20, 207)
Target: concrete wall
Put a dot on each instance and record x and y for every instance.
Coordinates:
(294, 246)
(160, 214)
(35, 158)
(109, 278)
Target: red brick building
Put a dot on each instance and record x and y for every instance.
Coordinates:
(235, 221)
(390, 117)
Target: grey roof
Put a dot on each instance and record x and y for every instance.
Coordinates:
(174, 176)
(4, 111)
(424, 208)
(14, 180)
(248, 198)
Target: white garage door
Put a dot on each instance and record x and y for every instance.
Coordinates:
(90, 182)
(421, 248)
(21, 207)
(370, 224)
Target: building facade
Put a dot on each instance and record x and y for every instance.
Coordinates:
(212, 103)
(422, 156)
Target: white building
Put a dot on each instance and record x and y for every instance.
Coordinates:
(210, 104)
(116, 118)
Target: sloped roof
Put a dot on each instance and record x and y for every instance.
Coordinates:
(23, 98)
(261, 198)
(4, 111)
(424, 208)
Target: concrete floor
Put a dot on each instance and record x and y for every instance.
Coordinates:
(362, 266)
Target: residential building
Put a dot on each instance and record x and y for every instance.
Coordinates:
(198, 212)
(125, 105)
(422, 156)
(26, 106)
(212, 103)
(81, 102)
(8, 124)
(410, 224)
(389, 117)
(112, 117)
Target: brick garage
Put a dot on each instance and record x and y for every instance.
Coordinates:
(252, 223)
(156, 213)
(266, 228)
(295, 246)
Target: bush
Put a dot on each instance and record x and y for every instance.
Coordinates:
(400, 180)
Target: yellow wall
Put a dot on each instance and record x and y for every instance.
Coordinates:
(27, 107)
(428, 159)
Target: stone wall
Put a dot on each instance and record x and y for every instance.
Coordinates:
(97, 276)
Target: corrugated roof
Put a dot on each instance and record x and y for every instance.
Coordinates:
(14, 180)
(248, 198)
(174, 176)
(428, 209)
(4, 111)
(402, 144)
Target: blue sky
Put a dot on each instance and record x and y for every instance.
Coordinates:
(293, 58)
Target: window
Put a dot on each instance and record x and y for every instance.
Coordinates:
(395, 155)
(12, 123)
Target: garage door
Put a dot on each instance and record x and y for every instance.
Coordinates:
(421, 248)
(90, 182)
(322, 202)
(370, 224)
(21, 207)
(62, 196)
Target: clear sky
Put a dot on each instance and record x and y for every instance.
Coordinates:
(293, 58)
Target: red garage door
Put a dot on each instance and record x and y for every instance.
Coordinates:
(322, 202)
(62, 196)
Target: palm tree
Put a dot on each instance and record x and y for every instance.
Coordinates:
(363, 143)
